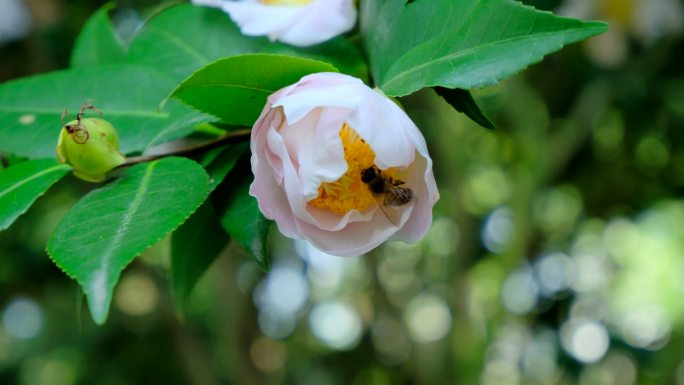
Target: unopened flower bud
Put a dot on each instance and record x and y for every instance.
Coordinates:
(91, 147)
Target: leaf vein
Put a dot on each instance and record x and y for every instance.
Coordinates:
(126, 220)
(416, 69)
(32, 177)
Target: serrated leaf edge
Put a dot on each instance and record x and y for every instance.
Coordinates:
(101, 320)
(599, 26)
(66, 168)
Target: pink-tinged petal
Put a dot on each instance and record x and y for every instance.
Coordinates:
(296, 147)
(356, 239)
(340, 92)
(383, 125)
(314, 145)
(330, 221)
(425, 192)
(270, 121)
(373, 116)
(273, 203)
(269, 192)
(297, 201)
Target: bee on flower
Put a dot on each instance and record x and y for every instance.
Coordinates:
(297, 22)
(341, 165)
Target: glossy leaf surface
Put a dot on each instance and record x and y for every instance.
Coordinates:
(240, 215)
(462, 101)
(224, 89)
(98, 43)
(197, 243)
(23, 183)
(194, 246)
(110, 226)
(460, 44)
(183, 38)
(221, 161)
(128, 96)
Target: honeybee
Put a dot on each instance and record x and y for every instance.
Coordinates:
(386, 190)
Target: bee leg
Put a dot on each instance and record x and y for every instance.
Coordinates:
(64, 115)
(96, 110)
(88, 105)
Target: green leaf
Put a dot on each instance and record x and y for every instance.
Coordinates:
(129, 97)
(23, 183)
(194, 246)
(225, 90)
(219, 162)
(463, 102)
(461, 44)
(339, 52)
(98, 43)
(240, 215)
(185, 37)
(181, 122)
(112, 225)
(197, 243)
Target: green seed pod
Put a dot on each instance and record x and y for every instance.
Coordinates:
(91, 147)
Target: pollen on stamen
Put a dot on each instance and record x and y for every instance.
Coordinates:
(348, 192)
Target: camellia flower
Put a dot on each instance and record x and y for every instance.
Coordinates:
(297, 22)
(312, 149)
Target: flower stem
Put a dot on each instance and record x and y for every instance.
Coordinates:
(228, 138)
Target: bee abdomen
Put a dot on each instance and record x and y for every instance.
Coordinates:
(400, 197)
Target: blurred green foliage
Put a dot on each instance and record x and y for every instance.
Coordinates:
(556, 255)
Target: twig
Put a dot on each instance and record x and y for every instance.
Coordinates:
(228, 138)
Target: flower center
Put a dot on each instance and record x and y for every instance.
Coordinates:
(349, 192)
(286, 2)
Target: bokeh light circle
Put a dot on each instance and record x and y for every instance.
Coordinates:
(22, 318)
(336, 324)
(427, 318)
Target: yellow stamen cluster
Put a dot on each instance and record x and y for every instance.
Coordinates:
(285, 2)
(348, 192)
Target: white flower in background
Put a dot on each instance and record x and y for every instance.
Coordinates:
(647, 20)
(297, 22)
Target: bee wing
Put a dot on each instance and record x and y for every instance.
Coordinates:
(392, 213)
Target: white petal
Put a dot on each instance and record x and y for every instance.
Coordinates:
(304, 25)
(341, 91)
(297, 200)
(385, 127)
(267, 185)
(422, 182)
(209, 3)
(257, 19)
(298, 136)
(322, 20)
(314, 145)
(357, 238)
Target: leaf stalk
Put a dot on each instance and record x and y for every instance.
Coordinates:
(228, 138)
